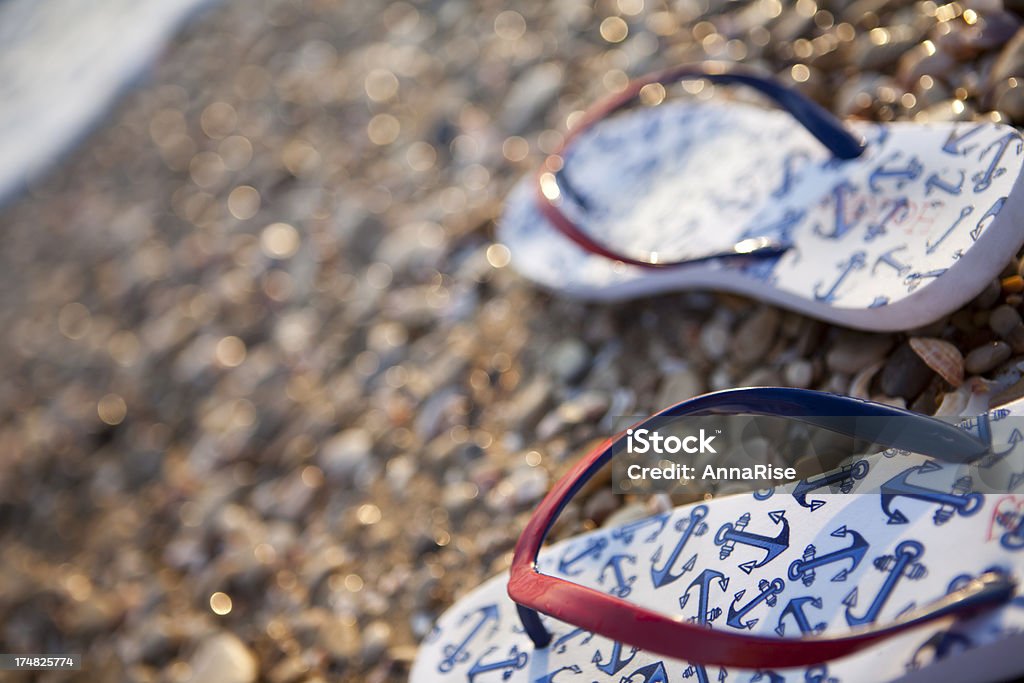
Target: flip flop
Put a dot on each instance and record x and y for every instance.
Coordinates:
(879, 226)
(776, 585)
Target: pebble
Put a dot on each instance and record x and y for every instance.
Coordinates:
(587, 406)
(1008, 98)
(375, 636)
(681, 385)
(529, 403)
(1016, 339)
(987, 357)
(905, 374)
(1010, 61)
(530, 94)
(755, 336)
(347, 454)
(799, 373)
(989, 296)
(568, 360)
(223, 658)
(602, 504)
(1004, 320)
(525, 486)
(714, 339)
(856, 350)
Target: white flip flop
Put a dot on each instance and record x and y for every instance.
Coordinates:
(907, 572)
(879, 226)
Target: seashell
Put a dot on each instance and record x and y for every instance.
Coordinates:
(940, 356)
(972, 398)
(980, 398)
(953, 403)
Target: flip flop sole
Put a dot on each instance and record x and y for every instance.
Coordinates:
(791, 564)
(910, 231)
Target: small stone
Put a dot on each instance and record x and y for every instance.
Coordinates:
(905, 374)
(919, 61)
(1008, 98)
(530, 94)
(926, 402)
(714, 339)
(529, 403)
(799, 373)
(965, 41)
(601, 505)
(288, 670)
(525, 486)
(721, 378)
(531, 483)
(984, 358)
(755, 335)
(550, 426)
(340, 638)
(856, 350)
(953, 109)
(569, 360)
(584, 407)
(1004, 320)
(1016, 339)
(346, 454)
(990, 295)
(1010, 61)
(681, 385)
(1013, 284)
(376, 638)
(223, 658)
(420, 623)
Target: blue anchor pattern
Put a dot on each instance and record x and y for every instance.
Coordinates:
(684, 179)
(811, 557)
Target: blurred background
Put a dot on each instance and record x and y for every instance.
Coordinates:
(273, 399)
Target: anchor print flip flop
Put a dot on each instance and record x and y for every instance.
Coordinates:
(915, 579)
(879, 226)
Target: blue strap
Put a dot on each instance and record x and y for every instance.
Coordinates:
(857, 418)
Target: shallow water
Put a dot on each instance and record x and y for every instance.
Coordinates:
(62, 64)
